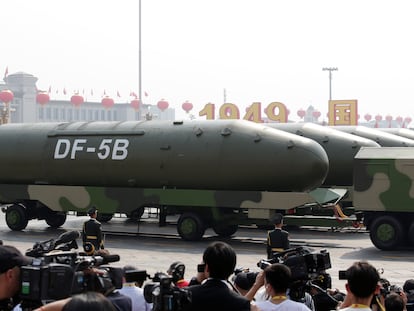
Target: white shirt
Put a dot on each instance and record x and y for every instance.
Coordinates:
(286, 305)
(137, 296)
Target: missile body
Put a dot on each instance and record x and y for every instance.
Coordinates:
(340, 147)
(382, 138)
(220, 154)
(403, 132)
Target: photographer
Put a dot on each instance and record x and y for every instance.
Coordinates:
(177, 270)
(133, 289)
(363, 283)
(276, 279)
(215, 292)
(11, 259)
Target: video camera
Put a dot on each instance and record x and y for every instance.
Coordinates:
(58, 271)
(306, 266)
(303, 263)
(161, 292)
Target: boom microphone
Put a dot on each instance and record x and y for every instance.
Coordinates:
(67, 237)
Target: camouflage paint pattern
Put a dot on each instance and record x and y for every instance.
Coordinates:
(383, 179)
(126, 200)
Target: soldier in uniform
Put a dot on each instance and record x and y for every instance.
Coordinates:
(92, 233)
(277, 239)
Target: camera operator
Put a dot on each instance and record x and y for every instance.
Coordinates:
(276, 279)
(395, 302)
(215, 292)
(133, 289)
(177, 270)
(11, 259)
(91, 301)
(362, 284)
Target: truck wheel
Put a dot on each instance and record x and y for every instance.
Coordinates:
(16, 217)
(104, 217)
(411, 234)
(56, 219)
(386, 232)
(136, 214)
(190, 227)
(224, 230)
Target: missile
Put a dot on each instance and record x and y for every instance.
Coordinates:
(207, 154)
(403, 132)
(382, 138)
(340, 147)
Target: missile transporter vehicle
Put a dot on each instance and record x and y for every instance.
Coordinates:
(384, 193)
(212, 174)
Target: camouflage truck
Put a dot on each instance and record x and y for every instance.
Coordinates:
(384, 194)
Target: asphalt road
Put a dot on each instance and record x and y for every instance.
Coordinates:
(144, 247)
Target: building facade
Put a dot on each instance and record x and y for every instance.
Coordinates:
(25, 109)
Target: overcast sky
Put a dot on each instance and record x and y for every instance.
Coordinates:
(259, 51)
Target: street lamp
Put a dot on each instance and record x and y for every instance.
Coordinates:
(139, 62)
(330, 69)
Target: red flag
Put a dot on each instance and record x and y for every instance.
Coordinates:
(104, 93)
(145, 93)
(6, 72)
(50, 89)
(133, 94)
(64, 91)
(91, 92)
(117, 94)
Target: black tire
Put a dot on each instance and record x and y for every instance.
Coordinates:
(224, 230)
(190, 227)
(136, 214)
(16, 217)
(104, 217)
(411, 234)
(56, 219)
(386, 232)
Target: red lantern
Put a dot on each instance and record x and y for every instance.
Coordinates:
(135, 103)
(76, 100)
(301, 113)
(162, 104)
(388, 118)
(42, 98)
(399, 120)
(187, 106)
(407, 120)
(107, 102)
(6, 96)
(378, 118)
(316, 114)
(367, 117)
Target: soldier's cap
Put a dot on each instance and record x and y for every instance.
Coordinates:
(11, 257)
(92, 210)
(276, 219)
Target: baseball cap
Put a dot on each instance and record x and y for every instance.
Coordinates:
(11, 257)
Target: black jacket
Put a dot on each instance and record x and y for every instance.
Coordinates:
(215, 295)
(92, 233)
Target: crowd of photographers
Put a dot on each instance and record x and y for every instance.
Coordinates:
(217, 285)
